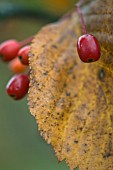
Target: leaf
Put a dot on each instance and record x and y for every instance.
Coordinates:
(72, 101)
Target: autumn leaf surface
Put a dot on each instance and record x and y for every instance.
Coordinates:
(73, 101)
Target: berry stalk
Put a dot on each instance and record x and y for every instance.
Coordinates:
(26, 41)
(78, 5)
(9, 49)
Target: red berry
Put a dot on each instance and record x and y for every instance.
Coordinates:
(9, 49)
(88, 48)
(18, 86)
(16, 66)
(23, 55)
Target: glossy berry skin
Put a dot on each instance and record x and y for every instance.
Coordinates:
(18, 86)
(88, 48)
(23, 55)
(9, 49)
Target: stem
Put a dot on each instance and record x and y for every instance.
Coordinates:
(26, 41)
(81, 16)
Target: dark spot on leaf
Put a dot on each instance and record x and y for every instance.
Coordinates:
(43, 45)
(101, 74)
(85, 144)
(81, 128)
(67, 149)
(106, 155)
(54, 46)
(67, 94)
(75, 141)
(46, 73)
(88, 113)
(74, 77)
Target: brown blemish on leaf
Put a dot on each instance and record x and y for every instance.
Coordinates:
(73, 101)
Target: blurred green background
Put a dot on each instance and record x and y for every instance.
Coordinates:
(21, 146)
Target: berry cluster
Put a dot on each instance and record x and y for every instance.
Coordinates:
(16, 54)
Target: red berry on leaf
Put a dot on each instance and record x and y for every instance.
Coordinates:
(9, 49)
(88, 48)
(23, 55)
(18, 86)
(87, 45)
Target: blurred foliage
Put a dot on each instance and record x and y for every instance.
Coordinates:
(21, 147)
(55, 7)
(19, 28)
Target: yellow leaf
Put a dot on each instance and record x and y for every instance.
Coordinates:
(73, 101)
